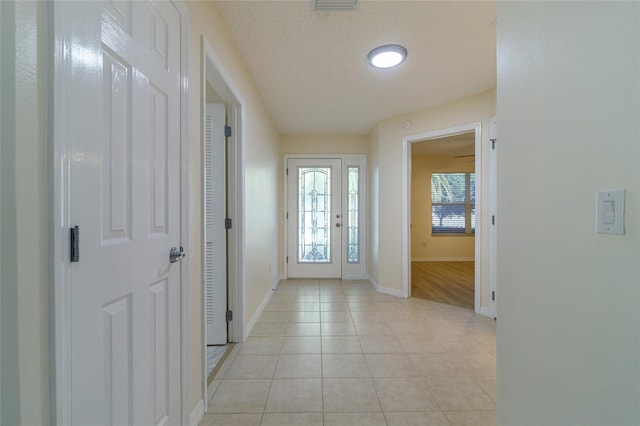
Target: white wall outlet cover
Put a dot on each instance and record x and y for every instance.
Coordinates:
(610, 212)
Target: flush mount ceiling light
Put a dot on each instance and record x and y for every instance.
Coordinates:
(387, 56)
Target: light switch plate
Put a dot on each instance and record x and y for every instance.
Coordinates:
(610, 212)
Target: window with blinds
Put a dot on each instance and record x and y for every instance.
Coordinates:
(453, 203)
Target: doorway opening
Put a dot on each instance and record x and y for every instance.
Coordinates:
(216, 284)
(222, 310)
(443, 220)
(442, 216)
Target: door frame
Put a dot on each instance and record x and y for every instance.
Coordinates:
(406, 204)
(493, 211)
(360, 160)
(59, 156)
(214, 72)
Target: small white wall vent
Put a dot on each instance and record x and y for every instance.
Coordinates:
(328, 5)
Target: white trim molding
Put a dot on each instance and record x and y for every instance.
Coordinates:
(443, 259)
(256, 316)
(385, 290)
(373, 282)
(475, 127)
(214, 72)
(485, 311)
(197, 414)
(184, 203)
(391, 291)
(60, 16)
(493, 211)
(354, 277)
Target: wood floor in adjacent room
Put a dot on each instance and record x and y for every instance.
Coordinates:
(445, 282)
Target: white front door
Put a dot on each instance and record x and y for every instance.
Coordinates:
(125, 197)
(314, 218)
(215, 234)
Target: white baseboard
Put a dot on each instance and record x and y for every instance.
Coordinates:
(485, 311)
(443, 259)
(196, 415)
(373, 282)
(354, 277)
(275, 284)
(248, 327)
(390, 291)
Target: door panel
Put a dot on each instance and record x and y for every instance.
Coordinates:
(124, 194)
(315, 218)
(215, 250)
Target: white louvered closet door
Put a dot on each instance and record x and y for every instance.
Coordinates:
(215, 211)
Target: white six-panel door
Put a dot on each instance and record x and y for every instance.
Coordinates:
(125, 196)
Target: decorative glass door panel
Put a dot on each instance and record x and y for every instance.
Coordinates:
(314, 214)
(353, 214)
(314, 218)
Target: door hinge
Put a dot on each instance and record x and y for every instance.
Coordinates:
(287, 215)
(493, 296)
(493, 143)
(229, 316)
(287, 259)
(227, 131)
(75, 244)
(227, 223)
(493, 219)
(287, 171)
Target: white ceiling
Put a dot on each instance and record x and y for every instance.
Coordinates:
(311, 68)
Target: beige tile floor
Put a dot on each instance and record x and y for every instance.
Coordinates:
(333, 352)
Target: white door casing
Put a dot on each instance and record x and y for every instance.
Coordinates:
(120, 77)
(493, 205)
(215, 212)
(215, 75)
(406, 205)
(314, 218)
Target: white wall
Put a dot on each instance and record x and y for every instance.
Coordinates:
(569, 298)
(373, 166)
(387, 169)
(24, 336)
(306, 144)
(261, 159)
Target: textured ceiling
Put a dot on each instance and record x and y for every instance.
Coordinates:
(311, 68)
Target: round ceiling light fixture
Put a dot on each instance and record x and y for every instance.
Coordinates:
(387, 56)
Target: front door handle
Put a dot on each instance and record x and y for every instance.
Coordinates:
(176, 254)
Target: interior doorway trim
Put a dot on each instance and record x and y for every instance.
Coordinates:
(493, 211)
(214, 72)
(406, 202)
